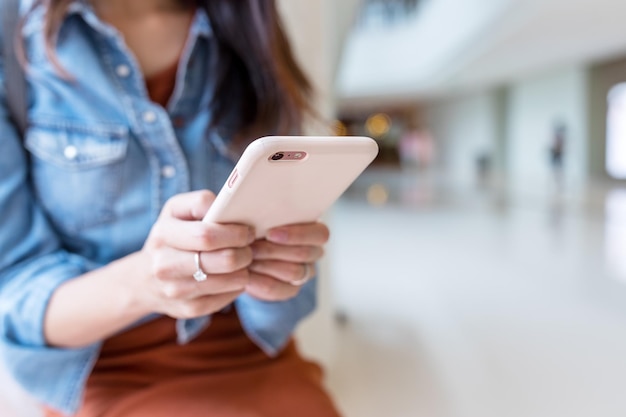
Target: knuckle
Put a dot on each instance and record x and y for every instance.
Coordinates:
(241, 235)
(233, 259)
(204, 198)
(161, 268)
(170, 202)
(264, 290)
(191, 310)
(157, 235)
(230, 259)
(171, 291)
(207, 235)
(270, 287)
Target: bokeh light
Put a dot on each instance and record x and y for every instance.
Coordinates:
(340, 128)
(377, 195)
(378, 125)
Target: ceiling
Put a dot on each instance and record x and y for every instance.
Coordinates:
(454, 45)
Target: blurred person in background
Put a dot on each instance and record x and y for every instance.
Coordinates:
(116, 300)
(557, 153)
(416, 148)
(483, 167)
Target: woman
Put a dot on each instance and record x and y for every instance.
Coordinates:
(133, 105)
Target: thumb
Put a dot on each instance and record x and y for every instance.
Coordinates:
(189, 206)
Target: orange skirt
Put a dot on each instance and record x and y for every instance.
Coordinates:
(143, 372)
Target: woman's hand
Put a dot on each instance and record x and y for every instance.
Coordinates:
(285, 260)
(174, 240)
(157, 279)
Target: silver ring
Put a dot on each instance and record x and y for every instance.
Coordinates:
(199, 275)
(306, 276)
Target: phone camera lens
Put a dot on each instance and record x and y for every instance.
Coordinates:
(278, 156)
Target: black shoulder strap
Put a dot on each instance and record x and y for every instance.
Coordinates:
(14, 77)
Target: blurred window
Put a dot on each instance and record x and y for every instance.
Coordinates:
(615, 233)
(616, 132)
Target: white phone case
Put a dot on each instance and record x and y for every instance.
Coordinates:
(266, 190)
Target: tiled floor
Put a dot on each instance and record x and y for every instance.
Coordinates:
(462, 303)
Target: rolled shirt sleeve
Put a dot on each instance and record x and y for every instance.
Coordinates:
(271, 324)
(32, 265)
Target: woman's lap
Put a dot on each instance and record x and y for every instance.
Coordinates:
(281, 391)
(221, 374)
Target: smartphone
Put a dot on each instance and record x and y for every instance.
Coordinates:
(284, 180)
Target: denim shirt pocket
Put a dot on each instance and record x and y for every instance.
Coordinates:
(77, 171)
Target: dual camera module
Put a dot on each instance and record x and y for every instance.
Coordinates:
(288, 156)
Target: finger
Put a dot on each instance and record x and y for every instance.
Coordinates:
(203, 306)
(189, 206)
(225, 261)
(266, 288)
(187, 288)
(288, 272)
(198, 236)
(222, 283)
(313, 234)
(173, 264)
(264, 250)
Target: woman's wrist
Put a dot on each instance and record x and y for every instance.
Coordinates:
(94, 306)
(131, 280)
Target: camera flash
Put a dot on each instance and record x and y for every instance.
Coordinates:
(298, 155)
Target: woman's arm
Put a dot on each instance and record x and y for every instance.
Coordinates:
(96, 305)
(157, 279)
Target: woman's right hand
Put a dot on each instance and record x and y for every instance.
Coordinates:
(178, 234)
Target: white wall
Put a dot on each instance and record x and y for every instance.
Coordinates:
(463, 127)
(311, 34)
(467, 125)
(533, 109)
(417, 54)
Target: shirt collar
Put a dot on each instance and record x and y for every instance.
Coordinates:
(200, 26)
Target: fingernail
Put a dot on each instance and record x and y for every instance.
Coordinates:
(278, 236)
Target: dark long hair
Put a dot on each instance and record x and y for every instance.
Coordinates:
(272, 94)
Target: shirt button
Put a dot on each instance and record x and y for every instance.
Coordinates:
(168, 171)
(122, 70)
(70, 152)
(149, 117)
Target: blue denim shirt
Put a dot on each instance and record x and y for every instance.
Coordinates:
(89, 179)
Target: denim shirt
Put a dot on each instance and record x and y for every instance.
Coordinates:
(88, 180)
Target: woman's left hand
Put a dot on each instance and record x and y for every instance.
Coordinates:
(285, 260)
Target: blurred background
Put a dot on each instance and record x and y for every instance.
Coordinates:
(478, 267)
